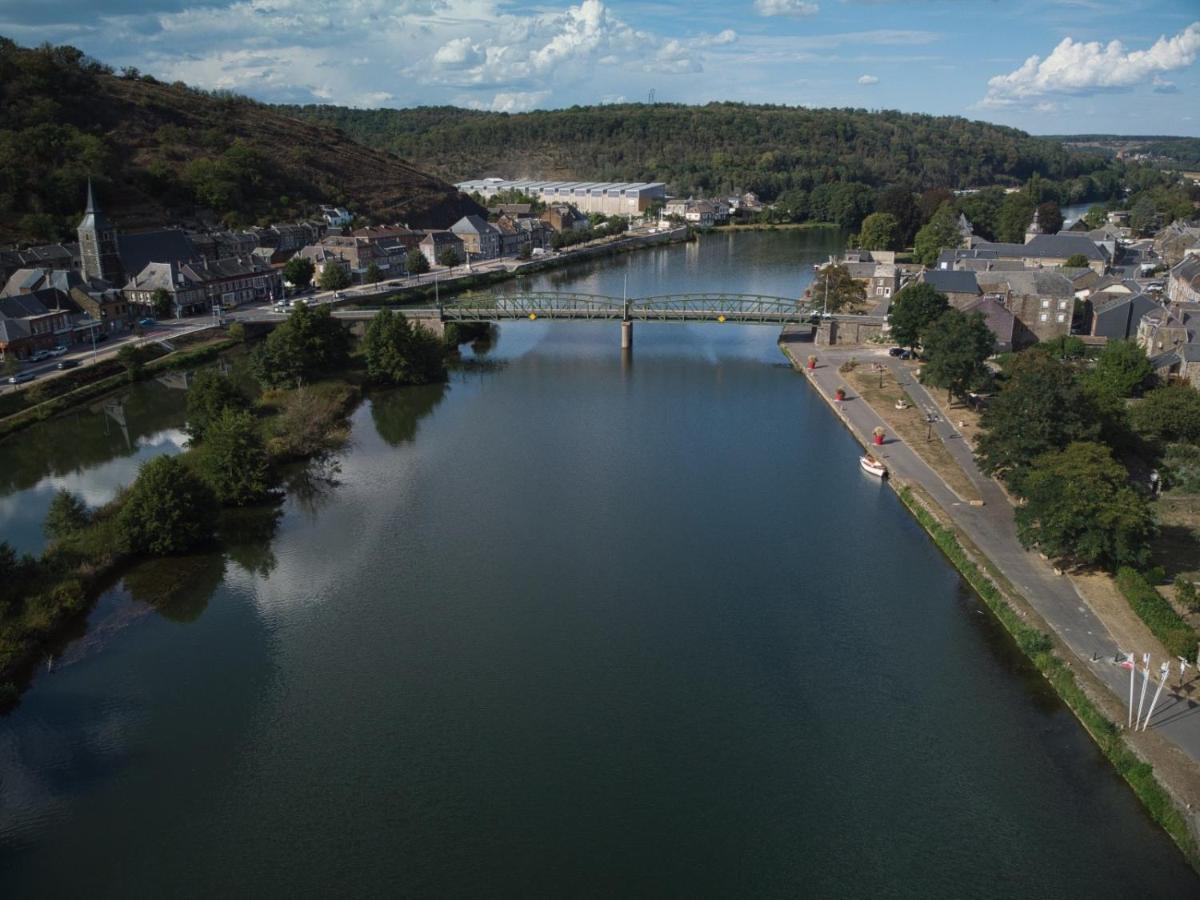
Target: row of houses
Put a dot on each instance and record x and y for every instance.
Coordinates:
(1027, 293)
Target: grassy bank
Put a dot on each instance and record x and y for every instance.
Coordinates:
(1041, 649)
(1177, 636)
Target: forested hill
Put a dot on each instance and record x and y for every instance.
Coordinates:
(711, 149)
(160, 152)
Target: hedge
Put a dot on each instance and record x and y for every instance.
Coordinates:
(1160, 617)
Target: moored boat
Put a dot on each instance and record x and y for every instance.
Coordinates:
(872, 466)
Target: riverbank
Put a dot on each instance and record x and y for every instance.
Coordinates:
(53, 592)
(1050, 643)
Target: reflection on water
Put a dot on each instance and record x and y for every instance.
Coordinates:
(398, 412)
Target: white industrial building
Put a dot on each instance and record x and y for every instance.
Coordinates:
(609, 197)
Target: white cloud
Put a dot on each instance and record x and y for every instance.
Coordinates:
(457, 54)
(792, 8)
(1075, 67)
(868, 79)
(511, 101)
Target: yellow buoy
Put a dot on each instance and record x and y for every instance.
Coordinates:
(720, 318)
(532, 316)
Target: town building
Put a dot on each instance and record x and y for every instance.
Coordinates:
(27, 325)
(1042, 302)
(612, 198)
(200, 287)
(481, 239)
(1048, 251)
(99, 253)
(564, 217)
(1184, 284)
(960, 287)
(437, 243)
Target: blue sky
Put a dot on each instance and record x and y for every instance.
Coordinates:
(1056, 66)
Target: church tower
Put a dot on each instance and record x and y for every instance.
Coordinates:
(98, 244)
(1034, 229)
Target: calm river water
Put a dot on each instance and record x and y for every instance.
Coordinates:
(565, 627)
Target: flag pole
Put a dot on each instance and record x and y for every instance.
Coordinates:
(1145, 681)
(1164, 672)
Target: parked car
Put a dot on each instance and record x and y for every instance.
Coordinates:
(900, 353)
(147, 322)
(39, 356)
(67, 364)
(21, 378)
(58, 351)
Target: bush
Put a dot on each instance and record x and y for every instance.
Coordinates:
(67, 515)
(1186, 595)
(1160, 617)
(398, 353)
(168, 509)
(233, 458)
(210, 394)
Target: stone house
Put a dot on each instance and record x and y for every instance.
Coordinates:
(435, 243)
(564, 217)
(1171, 338)
(1042, 302)
(27, 325)
(1050, 251)
(1116, 312)
(960, 287)
(322, 256)
(480, 239)
(512, 236)
(1173, 242)
(1184, 283)
(197, 288)
(1000, 320)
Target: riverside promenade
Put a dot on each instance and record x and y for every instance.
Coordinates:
(992, 529)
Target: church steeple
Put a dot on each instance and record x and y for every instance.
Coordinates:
(98, 251)
(1034, 229)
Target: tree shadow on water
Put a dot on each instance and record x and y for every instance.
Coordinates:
(177, 587)
(398, 412)
(246, 535)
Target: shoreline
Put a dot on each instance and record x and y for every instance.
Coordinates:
(1088, 698)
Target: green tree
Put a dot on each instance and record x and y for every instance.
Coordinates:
(899, 202)
(1095, 216)
(209, 395)
(298, 272)
(67, 515)
(1079, 507)
(448, 257)
(162, 303)
(233, 459)
(168, 509)
(374, 274)
(524, 252)
(310, 343)
(1039, 408)
(1181, 468)
(1016, 213)
(1120, 371)
(416, 262)
(1050, 217)
(399, 353)
(1168, 414)
(1076, 261)
(940, 233)
(834, 290)
(11, 366)
(1186, 594)
(1143, 216)
(955, 346)
(913, 310)
(880, 231)
(333, 277)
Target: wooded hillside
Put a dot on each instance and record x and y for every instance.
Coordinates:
(160, 152)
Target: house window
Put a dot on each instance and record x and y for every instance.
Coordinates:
(1044, 317)
(1045, 304)
(887, 292)
(1061, 317)
(1062, 304)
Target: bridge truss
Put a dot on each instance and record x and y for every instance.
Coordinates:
(699, 307)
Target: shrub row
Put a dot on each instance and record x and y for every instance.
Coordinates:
(1039, 647)
(1160, 617)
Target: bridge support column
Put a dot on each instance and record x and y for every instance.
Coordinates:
(626, 334)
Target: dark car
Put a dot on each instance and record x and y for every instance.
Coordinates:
(147, 323)
(21, 377)
(67, 364)
(900, 353)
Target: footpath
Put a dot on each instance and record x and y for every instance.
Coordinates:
(991, 527)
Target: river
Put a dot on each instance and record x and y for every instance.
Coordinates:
(569, 626)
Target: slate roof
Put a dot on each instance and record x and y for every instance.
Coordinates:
(951, 281)
(1029, 282)
(164, 245)
(1000, 321)
(23, 307)
(1188, 271)
(1049, 246)
(473, 223)
(14, 329)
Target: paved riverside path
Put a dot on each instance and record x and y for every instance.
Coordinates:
(993, 530)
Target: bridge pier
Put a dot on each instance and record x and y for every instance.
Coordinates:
(626, 334)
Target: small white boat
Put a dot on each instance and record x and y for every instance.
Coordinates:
(872, 466)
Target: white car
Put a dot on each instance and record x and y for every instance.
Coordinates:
(58, 351)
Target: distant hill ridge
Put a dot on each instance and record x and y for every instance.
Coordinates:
(712, 149)
(158, 152)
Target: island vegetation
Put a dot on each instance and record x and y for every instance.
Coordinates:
(309, 374)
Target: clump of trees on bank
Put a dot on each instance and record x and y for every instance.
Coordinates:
(308, 370)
